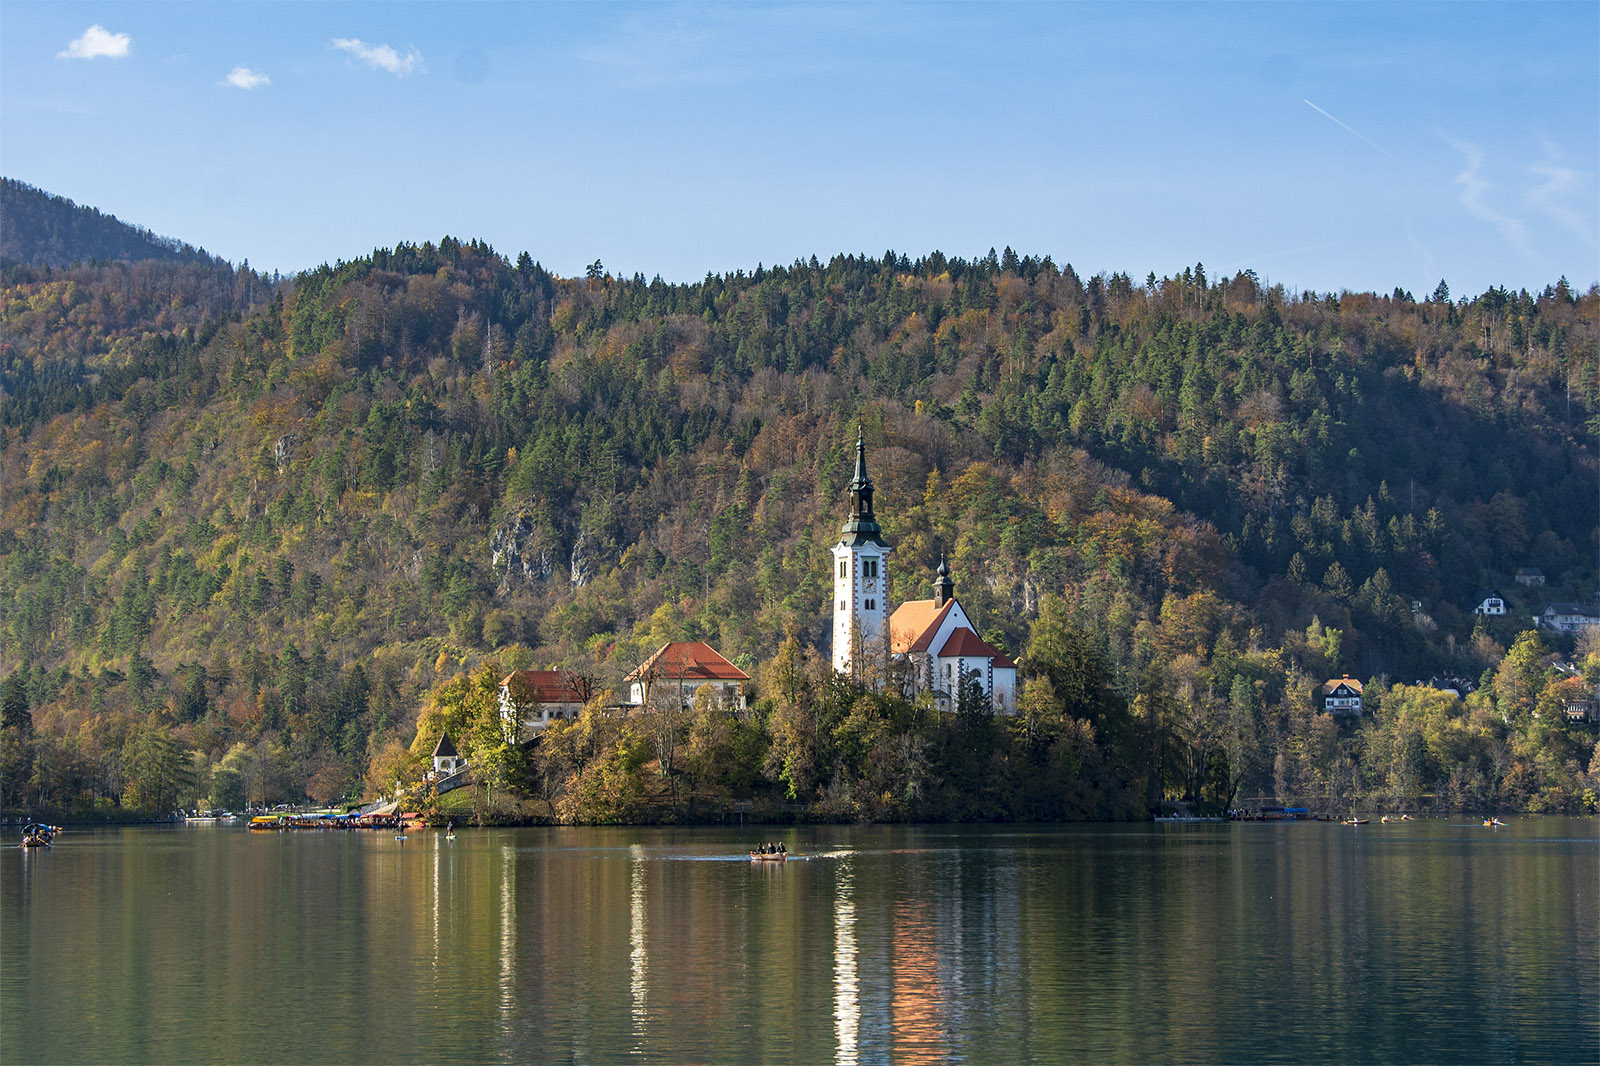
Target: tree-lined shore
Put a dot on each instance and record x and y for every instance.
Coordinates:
(255, 534)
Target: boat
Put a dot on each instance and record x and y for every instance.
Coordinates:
(38, 835)
(1357, 821)
(764, 856)
(1495, 822)
(266, 823)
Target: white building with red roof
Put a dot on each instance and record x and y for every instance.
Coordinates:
(677, 670)
(531, 699)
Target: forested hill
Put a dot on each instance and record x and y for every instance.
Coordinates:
(38, 229)
(273, 517)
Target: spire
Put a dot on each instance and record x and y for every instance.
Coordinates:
(943, 588)
(862, 527)
(861, 484)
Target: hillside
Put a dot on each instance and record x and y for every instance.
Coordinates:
(41, 230)
(261, 525)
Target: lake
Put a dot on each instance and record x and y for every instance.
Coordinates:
(1430, 941)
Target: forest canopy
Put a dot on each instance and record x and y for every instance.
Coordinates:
(252, 529)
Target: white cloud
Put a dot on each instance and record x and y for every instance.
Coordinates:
(1471, 198)
(381, 56)
(1551, 197)
(97, 41)
(245, 78)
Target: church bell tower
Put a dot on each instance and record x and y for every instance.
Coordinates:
(860, 580)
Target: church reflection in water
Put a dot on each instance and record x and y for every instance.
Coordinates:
(846, 981)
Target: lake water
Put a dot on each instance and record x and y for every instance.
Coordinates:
(1431, 941)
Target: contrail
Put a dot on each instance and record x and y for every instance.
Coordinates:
(1346, 126)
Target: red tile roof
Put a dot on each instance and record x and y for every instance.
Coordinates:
(543, 686)
(914, 623)
(965, 642)
(688, 660)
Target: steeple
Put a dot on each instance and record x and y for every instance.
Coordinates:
(861, 527)
(943, 588)
(861, 582)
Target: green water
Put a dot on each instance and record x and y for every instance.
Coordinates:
(1420, 942)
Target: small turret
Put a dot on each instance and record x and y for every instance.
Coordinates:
(944, 589)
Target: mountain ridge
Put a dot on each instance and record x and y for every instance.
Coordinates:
(38, 228)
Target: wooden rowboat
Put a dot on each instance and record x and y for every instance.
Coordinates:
(758, 856)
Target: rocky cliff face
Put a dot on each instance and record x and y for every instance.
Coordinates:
(582, 561)
(523, 553)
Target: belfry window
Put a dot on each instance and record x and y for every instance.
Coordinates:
(872, 605)
(869, 568)
(844, 568)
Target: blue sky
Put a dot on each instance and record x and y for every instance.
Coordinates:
(1326, 146)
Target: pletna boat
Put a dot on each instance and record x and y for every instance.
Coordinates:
(38, 835)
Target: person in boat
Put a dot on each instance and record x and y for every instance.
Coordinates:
(783, 848)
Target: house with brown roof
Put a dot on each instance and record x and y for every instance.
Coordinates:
(676, 671)
(941, 649)
(1342, 696)
(531, 699)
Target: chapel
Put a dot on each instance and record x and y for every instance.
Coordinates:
(924, 645)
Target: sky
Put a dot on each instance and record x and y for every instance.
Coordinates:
(1327, 147)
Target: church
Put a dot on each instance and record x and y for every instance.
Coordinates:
(922, 645)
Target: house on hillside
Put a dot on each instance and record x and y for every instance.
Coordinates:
(1567, 617)
(1530, 576)
(1488, 602)
(1459, 687)
(1582, 705)
(676, 671)
(1342, 696)
(531, 699)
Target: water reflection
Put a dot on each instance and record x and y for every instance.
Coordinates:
(917, 1002)
(508, 938)
(846, 1004)
(638, 975)
(1216, 944)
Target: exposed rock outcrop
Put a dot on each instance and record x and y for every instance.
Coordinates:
(523, 553)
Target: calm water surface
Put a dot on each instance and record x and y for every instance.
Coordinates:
(1430, 941)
